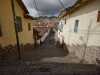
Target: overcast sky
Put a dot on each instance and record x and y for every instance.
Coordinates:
(47, 7)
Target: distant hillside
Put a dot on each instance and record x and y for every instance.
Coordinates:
(46, 17)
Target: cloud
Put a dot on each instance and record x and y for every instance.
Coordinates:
(47, 7)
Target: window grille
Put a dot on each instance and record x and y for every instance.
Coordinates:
(19, 25)
(76, 26)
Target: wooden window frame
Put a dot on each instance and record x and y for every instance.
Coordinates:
(29, 26)
(19, 25)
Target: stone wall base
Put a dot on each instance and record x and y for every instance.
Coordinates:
(89, 53)
(11, 50)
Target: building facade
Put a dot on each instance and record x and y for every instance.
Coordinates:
(81, 29)
(7, 29)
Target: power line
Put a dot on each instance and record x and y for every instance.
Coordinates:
(36, 8)
(62, 4)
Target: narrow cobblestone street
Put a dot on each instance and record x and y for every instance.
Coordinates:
(47, 59)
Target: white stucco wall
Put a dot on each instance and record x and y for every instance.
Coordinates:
(87, 17)
(88, 30)
(44, 36)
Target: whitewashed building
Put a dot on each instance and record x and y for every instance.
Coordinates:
(80, 26)
(43, 38)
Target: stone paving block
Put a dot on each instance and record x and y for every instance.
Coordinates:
(4, 73)
(20, 71)
(26, 73)
(13, 71)
(49, 65)
(4, 65)
(5, 70)
(44, 69)
(64, 73)
(55, 70)
(85, 72)
(35, 67)
(41, 73)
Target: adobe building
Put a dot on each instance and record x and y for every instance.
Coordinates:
(8, 42)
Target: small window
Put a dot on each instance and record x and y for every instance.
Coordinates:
(98, 19)
(76, 26)
(65, 21)
(29, 26)
(19, 25)
(60, 26)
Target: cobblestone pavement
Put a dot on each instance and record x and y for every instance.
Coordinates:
(47, 59)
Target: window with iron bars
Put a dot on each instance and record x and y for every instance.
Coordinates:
(19, 24)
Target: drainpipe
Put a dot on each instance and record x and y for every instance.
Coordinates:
(15, 24)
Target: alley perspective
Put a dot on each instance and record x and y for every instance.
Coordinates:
(47, 59)
(61, 39)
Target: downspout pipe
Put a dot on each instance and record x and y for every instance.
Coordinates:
(15, 25)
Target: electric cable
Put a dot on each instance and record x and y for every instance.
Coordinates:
(36, 8)
(62, 4)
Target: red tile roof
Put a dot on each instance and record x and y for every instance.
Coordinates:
(40, 32)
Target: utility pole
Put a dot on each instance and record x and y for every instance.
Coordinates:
(16, 30)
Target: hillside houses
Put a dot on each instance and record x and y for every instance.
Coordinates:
(42, 30)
